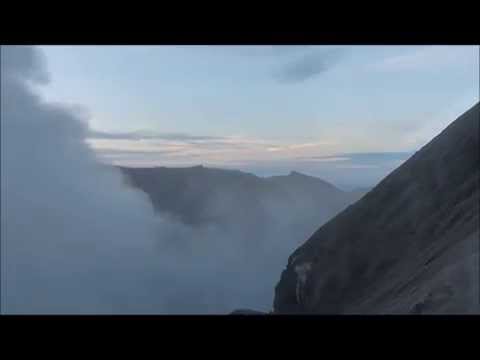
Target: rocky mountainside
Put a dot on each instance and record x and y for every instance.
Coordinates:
(410, 245)
(198, 194)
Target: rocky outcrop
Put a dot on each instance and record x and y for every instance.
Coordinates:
(410, 245)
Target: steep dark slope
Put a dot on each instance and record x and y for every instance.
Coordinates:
(408, 246)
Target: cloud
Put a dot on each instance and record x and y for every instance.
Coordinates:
(171, 149)
(297, 62)
(23, 63)
(357, 166)
(228, 148)
(309, 65)
(323, 158)
(67, 223)
(148, 135)
(115, 154)
(371, 160)
(372, 157)
(364, 157)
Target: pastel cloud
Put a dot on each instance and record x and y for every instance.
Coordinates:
(184, 148)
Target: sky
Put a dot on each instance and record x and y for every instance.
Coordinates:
(348, 114)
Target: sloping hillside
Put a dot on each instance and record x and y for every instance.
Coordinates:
(408, 246)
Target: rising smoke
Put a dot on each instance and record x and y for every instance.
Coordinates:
(77, 240)
(74, 239)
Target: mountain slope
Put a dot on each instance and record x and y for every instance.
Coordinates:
(198, 195)
(410, 245)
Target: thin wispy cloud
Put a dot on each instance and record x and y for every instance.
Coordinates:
(371, 160)
(299, 146)
(323, 158)
(378, 156)
(145, 134)
(362, 157)
(185, 148)
(358, 166)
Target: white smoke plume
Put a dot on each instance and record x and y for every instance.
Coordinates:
(74, 238)
(77, 240)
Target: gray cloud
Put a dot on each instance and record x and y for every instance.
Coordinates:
(300, 62)
(67, 223)
(24, 63)
(309, 65)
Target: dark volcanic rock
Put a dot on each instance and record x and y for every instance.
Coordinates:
(410, 245)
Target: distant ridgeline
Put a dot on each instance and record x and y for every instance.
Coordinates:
(197, 195)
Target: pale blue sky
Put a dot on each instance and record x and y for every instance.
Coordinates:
(266, 105)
